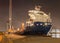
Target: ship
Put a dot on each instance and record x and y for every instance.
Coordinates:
(39, 23)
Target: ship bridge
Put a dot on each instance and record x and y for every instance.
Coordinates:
(40, 16)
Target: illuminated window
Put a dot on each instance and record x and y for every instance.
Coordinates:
(57, 30)
(53, 35)
(45, 23)
(57, 35)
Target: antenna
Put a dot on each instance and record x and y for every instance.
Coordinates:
(10, 14)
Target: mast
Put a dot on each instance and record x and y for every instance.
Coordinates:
(10, 14)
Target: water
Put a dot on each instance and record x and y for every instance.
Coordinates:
(31, 39)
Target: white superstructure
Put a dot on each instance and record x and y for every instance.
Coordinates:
(39, 16)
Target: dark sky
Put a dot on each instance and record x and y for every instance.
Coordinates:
(20, 11)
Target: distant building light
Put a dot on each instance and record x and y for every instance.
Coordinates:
(55, 33)
(57, 30)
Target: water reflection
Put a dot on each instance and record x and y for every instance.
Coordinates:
(30, 39)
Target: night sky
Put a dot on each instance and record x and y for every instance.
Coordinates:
(20, 11)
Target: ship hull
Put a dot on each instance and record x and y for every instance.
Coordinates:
(36, 29)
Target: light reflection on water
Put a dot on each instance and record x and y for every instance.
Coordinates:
(37, 39)
(31, 39)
